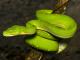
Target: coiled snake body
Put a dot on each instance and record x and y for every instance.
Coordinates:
(46, 25)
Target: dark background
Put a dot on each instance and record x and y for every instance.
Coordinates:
(19, 12)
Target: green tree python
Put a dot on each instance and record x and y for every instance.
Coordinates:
(45, 27)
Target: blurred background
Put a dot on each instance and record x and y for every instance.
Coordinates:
(19, 12)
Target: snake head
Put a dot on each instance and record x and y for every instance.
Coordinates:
(19, 30)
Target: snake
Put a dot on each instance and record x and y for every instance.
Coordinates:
(46, 27)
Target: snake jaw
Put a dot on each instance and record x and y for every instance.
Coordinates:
(6, 34)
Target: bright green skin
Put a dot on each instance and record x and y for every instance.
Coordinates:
(43, 44)
(62, 25)
(45, 26)
(20, 30)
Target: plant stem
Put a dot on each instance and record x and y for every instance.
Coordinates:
(61, 6)
(34, 55)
